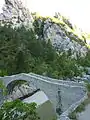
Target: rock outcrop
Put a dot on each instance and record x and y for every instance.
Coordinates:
(57, 29)
(20, 91)
(61, 36)
(15, 13)
(61, 41)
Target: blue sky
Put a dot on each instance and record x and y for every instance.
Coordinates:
(76, 10)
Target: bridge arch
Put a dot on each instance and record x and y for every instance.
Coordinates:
(9, 79)
(50, 87)
(14, 83)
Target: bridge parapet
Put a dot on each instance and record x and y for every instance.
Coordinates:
(71, 83)
(61, 93)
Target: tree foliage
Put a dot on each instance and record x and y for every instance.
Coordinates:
(21, 51)
(3, 88)
(17, 110)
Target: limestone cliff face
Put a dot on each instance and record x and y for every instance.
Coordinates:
(15, 13)
(62, 36)
(61, 41)
(57, 29)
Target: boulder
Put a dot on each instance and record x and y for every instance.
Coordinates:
(20, 91)
(15, 13)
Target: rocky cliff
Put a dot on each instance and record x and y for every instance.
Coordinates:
(61, 34)
(58, 29)
(14, 12)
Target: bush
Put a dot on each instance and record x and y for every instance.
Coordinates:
(3, 73)
(87, 84)
(72, 116)
(17, 110)
(79, 109)
(3, 88)
(21, 52)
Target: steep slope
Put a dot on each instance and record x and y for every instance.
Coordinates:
(58, 29)
(61, 34)
(32, 50)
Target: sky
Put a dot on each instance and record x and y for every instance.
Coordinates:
(76, 10)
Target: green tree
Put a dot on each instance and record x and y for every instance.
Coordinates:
(21, 65)
(17, 110)
(50, 53)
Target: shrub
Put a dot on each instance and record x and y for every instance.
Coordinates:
(87, 86)
(17, 110)
(79, 109)
(3, 88)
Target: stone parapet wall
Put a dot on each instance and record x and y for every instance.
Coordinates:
(61, 93)
(64, 82)
(64, 115)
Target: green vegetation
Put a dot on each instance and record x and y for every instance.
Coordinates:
(87, 86)
(17, 110)
(85, 62)
(21, 52)
(3, 88)
(71, 31)
(79, 109)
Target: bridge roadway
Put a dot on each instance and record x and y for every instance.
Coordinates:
(61, 93)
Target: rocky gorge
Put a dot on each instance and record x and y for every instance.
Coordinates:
(52, 48)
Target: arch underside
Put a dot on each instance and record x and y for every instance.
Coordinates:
(14, 83)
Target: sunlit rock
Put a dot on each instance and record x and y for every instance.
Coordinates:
(15, 13)
(61, 41)
(60, 34)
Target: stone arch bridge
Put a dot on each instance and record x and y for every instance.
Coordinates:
(61, 93)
